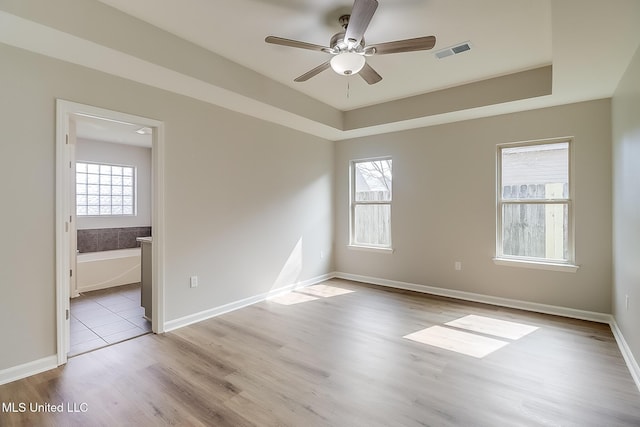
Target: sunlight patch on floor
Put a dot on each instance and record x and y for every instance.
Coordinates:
(472, 341)
(310, 293)
(325, 291)
(292, 298)
(490, 326)
(458, 341)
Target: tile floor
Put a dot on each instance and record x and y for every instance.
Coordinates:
(104, 317)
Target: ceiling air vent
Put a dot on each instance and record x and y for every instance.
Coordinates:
(453, 50)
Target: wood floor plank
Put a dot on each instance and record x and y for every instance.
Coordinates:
(341, 360)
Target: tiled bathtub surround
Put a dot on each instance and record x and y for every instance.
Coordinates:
(108, 239)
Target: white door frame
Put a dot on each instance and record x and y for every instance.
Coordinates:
(65, 110)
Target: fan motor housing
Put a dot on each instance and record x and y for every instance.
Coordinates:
(337, 43)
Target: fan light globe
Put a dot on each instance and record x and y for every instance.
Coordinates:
(347, 63)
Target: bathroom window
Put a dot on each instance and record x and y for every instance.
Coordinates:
(105, 190)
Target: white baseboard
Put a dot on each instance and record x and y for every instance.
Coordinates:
(632, 364)
(217, 311)
(487, 299)
(27, 369)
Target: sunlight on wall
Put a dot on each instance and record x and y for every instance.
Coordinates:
(292, 268)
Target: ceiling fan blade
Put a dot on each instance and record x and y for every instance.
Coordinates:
(361, 15)
(408, 45)
(370, 75)
(320, 68)
(295, 43)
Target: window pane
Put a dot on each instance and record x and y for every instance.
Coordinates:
(100, 189)
(372, 225)
(535, 230)
(373, 180)
(536, 172)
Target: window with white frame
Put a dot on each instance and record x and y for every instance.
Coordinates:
(535, 215)
(370, 218)
(105, 190)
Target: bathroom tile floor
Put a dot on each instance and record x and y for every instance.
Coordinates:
(105, 317)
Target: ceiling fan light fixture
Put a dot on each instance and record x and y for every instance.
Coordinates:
(347, 63)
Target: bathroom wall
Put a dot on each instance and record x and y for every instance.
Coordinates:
(119, 154)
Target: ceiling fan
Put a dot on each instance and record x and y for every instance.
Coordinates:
(349, 49)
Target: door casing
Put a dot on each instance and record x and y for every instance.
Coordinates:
(66, 111)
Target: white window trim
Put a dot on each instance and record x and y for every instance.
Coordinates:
(352, 208)
(383, 250)
(568, 265)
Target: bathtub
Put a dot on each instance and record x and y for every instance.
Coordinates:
(100, 270)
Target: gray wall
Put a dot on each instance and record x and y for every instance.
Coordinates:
(444, 207)
(241, 194)
(119, 154)
(626, 205)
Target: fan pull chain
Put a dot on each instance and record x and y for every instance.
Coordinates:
(348, 88)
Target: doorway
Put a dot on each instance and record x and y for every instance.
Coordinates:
(69, 114)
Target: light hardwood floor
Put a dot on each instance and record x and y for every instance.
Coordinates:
(342, 361)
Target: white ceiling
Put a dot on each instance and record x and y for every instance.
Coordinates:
(506, 36)
(587, 43)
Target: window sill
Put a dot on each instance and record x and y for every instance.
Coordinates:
(569, 268)
(371, 249)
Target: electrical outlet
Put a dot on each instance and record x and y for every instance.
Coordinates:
(458, 265)
(193, 281)
(626, 301)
